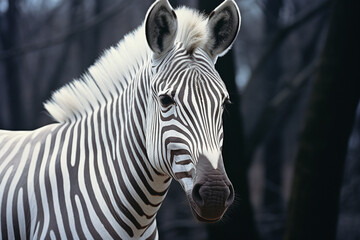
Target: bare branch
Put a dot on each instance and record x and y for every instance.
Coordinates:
(284, 32)
(285, 95)
(48, 18)
(31, 47)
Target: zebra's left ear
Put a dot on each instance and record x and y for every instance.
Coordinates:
(223, 27)
(160, 26)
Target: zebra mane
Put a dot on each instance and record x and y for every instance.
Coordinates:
(115, 69)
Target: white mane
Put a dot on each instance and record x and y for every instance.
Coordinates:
(108, 77)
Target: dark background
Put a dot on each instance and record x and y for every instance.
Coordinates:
(292, 135)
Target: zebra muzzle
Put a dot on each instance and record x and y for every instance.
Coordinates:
(212, 193)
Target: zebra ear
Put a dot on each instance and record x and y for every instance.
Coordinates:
(160, 26)
(223, 27)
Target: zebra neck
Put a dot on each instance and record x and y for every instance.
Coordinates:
(143, 188)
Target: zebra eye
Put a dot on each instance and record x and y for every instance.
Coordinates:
(166, 100)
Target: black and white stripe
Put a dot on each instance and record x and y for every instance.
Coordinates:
(103, 171)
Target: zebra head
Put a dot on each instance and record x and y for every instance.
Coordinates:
(184, 134)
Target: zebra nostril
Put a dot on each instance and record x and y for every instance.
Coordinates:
(196, 195)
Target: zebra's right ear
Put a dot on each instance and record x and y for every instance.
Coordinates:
(160, 26)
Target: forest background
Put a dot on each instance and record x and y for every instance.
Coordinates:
(292, 134)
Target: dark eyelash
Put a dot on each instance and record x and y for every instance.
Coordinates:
(227, 102)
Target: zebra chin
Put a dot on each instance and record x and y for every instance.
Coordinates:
(212, 192)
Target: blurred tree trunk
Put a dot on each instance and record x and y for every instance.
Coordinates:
(97, 33)
(84, 40)
(273, 157)
(349, 212)
(9, 37)
(238, 222)
(89, 41)
(313, 208)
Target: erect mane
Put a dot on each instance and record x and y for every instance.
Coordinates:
(109, 76)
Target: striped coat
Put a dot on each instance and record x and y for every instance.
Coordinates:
(148, 111)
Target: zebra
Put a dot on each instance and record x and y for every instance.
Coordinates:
(148, 111)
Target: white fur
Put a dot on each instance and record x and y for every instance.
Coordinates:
(213, 156)
(110, 75)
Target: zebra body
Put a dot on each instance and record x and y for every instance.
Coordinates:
(124, 131)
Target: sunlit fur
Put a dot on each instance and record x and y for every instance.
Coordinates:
(113, 72)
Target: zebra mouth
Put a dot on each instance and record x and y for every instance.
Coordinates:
(202, 219)
(196, 211)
